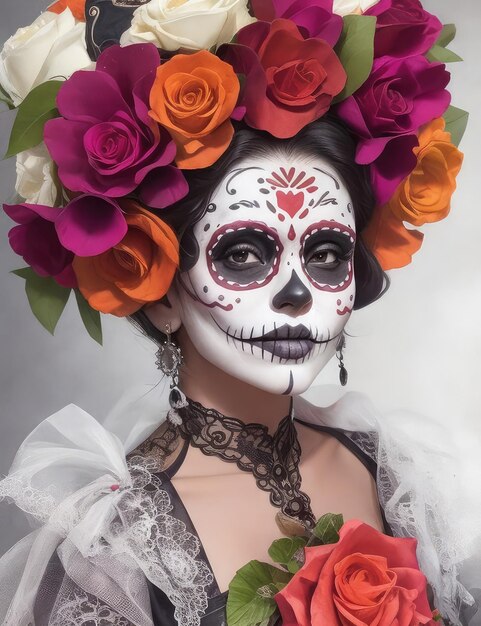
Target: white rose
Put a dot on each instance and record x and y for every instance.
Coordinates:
(52, 47)
(36, 177)
(192, 24)
(349, 7)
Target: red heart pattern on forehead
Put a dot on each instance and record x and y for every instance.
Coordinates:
(290, 202)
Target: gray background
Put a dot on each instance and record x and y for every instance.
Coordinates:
(417, 348)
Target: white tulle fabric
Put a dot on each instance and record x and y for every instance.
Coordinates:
(108, 524)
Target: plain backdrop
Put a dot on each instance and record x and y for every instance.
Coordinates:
(417, 348)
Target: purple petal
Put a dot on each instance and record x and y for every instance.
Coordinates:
(90, 225)
(163, 187)
(129, 64)
(25, 213)
(395, 163)
(381, 7)
(37, 242)
(141, 96)
(90, 97)
(238, 113)
(67, 278)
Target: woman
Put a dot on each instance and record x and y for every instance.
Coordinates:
(268, 213)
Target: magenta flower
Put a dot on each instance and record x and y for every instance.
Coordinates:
(36, 240)
(403, 28)
(90, 225)
(399, 97)
(105, 143)
(314, 17)
(48, 238)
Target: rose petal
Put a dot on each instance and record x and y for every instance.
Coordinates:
(25, 213)
(128, 65)
(90, 97)
(162, 187)
(90, 225)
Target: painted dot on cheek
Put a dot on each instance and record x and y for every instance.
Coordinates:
(206, 289)
(338, 303)
(221, 298)
(206, 227)
(281, 217)
(237, 300)
(351, 298)
(260, 181)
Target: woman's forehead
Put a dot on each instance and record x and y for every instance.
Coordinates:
(282, 192)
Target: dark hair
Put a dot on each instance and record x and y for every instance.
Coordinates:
(327, 137)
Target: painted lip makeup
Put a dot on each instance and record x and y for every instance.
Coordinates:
(286, 342)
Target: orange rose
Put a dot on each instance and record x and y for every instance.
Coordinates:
(193, 96)
(137, 270)
(76, 6)
(366, 578)
(425, 196)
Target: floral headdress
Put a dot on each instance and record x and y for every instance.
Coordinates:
(112, 109)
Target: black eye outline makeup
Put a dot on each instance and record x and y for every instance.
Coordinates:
(341, 237)
(251, 227)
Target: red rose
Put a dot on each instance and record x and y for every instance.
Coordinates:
(367, 578)
(289, 81)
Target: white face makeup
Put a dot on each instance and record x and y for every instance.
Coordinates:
(274, 283)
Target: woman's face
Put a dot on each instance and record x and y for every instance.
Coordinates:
(273, 286)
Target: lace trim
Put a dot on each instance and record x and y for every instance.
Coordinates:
(272, 459)
(75, 607)
(160, 544)
(159, 447)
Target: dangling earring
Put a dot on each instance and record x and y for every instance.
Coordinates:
(169, 359)
(341, 344)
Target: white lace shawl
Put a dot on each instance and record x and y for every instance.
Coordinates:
(108, 522)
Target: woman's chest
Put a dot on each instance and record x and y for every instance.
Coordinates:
(235, 519)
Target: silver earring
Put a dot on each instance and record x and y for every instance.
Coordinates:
(169, 359)
(341, 344)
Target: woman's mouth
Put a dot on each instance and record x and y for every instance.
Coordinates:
(291, 343)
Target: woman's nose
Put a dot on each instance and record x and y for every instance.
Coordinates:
(294, 298)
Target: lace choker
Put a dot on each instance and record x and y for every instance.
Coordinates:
(272, 459)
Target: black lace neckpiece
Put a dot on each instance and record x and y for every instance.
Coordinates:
(272, 459)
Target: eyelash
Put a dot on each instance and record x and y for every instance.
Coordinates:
(241, 247)
(326, 247)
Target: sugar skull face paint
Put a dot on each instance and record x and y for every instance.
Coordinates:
(274, 283)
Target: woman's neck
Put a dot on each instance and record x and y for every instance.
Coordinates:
(214, 389)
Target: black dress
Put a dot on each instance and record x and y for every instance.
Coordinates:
(215, 615)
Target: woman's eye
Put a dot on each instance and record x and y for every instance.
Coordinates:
(324, 257)
(242, 257)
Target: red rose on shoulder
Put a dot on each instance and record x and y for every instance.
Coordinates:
(367, 578)
(289, 81)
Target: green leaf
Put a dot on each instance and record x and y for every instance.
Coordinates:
(251, 593)
(443, 55)
(46, 297)
(4, 97)
(23, 272)
(37, 108)
(447, 35)
(288, 552)
(355, 49)
(456, 122)
(327, 528)
(90, 317)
